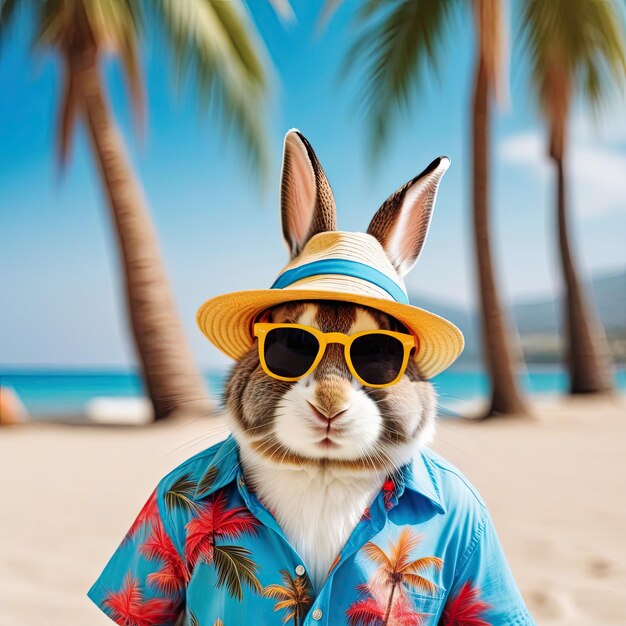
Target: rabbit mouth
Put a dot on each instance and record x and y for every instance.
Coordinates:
(327, 443)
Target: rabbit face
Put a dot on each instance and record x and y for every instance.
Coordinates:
(328, 418)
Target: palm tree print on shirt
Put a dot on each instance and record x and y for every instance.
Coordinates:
(372, 609)
(148, 515)
(465, 609)
(293, 596)
(233, 563)
(128, 606)
(211, 521)
(194, 621)
(174, 575)
(387, 603)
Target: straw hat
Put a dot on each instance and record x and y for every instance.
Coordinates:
(327, 264)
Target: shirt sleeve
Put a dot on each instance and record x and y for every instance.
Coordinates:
(144, 581)
(484, 591)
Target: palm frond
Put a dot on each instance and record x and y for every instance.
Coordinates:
(397, 42)
(181, 493)
(292, 596)
(67, 116)
(116, 27)
(424, 563)
(111, 26)
(402, 548)
(215, 41)
(54, 22)
(328, 10)
(173, 573)
(376, 554)
(283, 9)
(128, 605)
(419, 583)
(7, 13)
(207, 480)
(148, 516)
(574, 46)
(193, 620)
(465, 608)
(366, 612)
(285, 604)
(277, 592)
(235, 569)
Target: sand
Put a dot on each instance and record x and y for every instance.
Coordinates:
(555, 485)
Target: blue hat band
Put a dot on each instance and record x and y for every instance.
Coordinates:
(344, 267)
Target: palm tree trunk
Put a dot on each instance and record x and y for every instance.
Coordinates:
(506, 397)
(389, 605)
(172, 380)
(587, 350)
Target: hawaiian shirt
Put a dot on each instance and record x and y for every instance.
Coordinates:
(204, 551)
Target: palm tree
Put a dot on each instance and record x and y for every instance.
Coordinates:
(293, 597)
(575, 47)
(397, 42)
(399, 569)
(174, 574)
(465, 608)
(232, 563)
(215, 41)
(372, 609)
(128, 606)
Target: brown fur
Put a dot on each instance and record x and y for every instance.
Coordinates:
(252, 396)
(320, 214)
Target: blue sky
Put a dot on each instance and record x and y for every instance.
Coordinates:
(219, 232)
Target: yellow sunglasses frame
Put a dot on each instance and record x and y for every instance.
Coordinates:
(261, 329)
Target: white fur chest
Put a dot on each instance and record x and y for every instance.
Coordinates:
(316, 509)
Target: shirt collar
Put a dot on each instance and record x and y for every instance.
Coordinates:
(222, 469)
(418, 475)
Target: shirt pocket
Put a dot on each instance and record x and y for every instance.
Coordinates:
(427, 605)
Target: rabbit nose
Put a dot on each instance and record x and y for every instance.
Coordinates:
(327, 415)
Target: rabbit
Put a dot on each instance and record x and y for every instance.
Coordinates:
(324, 505)
(317, 451)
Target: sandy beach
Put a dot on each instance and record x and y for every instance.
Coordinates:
(554, 484)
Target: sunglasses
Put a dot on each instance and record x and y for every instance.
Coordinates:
(376, 358)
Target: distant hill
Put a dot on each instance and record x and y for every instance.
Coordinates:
(539, 322)
(609, 295)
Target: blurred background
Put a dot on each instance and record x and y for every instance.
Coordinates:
(140, 152)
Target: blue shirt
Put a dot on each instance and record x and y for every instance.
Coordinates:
(203, 546)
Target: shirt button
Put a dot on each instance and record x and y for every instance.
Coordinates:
(317, 614)
(300, 570)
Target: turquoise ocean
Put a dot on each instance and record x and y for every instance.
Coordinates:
(51, 393)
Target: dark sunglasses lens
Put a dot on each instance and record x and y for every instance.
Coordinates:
(377, 358)
(290, 352)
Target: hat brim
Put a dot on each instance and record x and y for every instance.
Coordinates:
(227, 321)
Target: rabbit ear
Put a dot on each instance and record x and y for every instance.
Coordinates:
(307, 204)
(402, 222)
